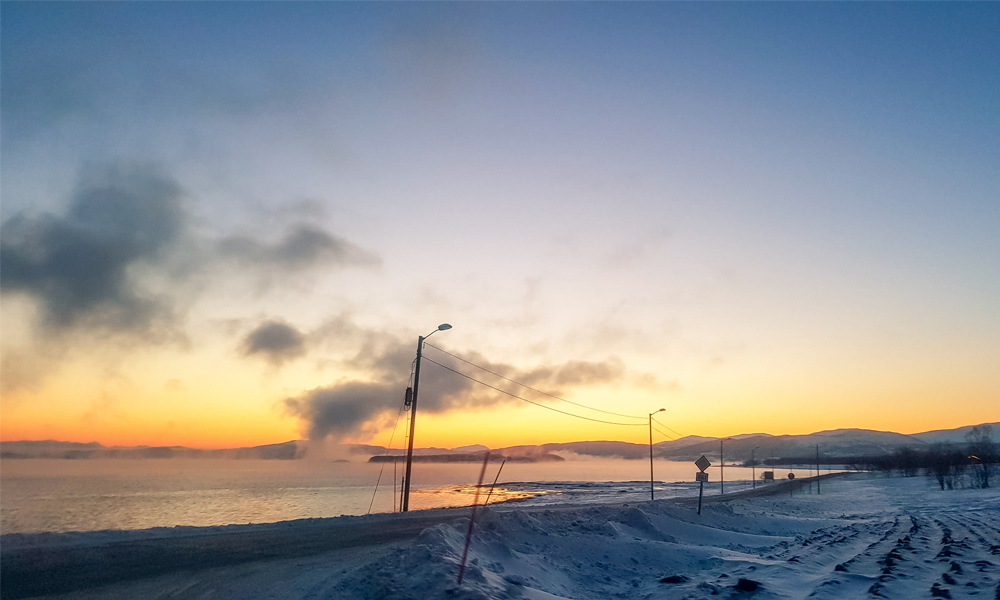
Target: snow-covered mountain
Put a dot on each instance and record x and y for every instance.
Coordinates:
(832, 443)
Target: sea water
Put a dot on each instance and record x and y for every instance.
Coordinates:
(61, 495)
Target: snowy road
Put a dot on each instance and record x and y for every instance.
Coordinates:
(862, 538)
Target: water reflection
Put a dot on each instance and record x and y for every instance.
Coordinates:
(87, 495)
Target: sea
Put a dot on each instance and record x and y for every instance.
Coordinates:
(60, 495)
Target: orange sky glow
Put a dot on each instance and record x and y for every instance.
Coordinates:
(226, 224)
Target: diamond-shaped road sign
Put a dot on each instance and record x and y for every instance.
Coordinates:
(702, 463)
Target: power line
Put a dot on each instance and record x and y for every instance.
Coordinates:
(531, 402)
(663, 433)
(528, 386)
(680, 435)
(387, 450)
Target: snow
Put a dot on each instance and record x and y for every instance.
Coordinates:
(863, 537)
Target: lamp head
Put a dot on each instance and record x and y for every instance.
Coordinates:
(443, 327)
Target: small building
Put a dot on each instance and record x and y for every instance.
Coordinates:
(768, 476)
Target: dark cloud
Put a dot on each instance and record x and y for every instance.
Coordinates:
(576, 372)
(80, 266)
(339, 409)
(301, 247)
(123, 261)
(345, 407)
(84, 267)
(277, 341)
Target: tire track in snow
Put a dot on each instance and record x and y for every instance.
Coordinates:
(945, 556)
(863, 538)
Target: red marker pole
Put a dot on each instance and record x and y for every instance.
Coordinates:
(497, 478)
(472, 519)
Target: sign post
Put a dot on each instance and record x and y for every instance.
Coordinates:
(701, 477)
(817, 469)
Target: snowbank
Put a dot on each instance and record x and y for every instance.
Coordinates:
(863, 537)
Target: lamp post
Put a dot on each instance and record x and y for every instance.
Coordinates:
(413, 413)
(651, 451)
(753, 467)
(722, 467)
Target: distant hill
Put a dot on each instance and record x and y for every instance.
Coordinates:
(832, 444)
(603, 449)
(475, 457)
(954, 436)
(432, 451)
(842, 442)
(73, 450)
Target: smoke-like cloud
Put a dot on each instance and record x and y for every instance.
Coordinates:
(575, 372)
(79, 266)
(301, 247)
(275, 340)
(347, 407)
(124, 261)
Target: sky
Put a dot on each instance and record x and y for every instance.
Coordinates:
(226, 224)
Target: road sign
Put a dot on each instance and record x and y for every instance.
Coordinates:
(791, 475)
(702, 463)
(702, 477)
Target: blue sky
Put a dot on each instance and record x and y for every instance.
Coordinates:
(762, 205)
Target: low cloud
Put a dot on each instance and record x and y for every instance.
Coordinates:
(123, 261)
(340, 409)
(276, 341)
(79, 266)
(302, 247)
(576, 372)
(348, 407)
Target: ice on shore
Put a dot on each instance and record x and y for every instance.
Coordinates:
(862, 538)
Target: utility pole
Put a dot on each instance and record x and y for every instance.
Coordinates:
(651, 452)
(413, 414)
(413, 424)
(753, 467)
(722, 469)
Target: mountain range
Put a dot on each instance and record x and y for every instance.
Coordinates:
(831, 444)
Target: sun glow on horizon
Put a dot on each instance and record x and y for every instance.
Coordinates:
(230, 224)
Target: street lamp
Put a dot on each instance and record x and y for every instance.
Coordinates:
(651, 451)
(413, 413)
(753, 467)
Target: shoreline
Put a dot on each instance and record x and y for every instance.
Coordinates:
(35, 564)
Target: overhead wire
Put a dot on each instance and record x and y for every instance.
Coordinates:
(530, 401)
(382, 468)
(402, 406)
(608, 412)
(680, 435)
(663, 433)
(389, 447)
(653, 422)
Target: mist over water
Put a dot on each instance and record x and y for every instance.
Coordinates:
(90, 495)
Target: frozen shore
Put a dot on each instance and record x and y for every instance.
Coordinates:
(863, 537)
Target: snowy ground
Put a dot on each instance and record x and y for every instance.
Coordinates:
(862, 538)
